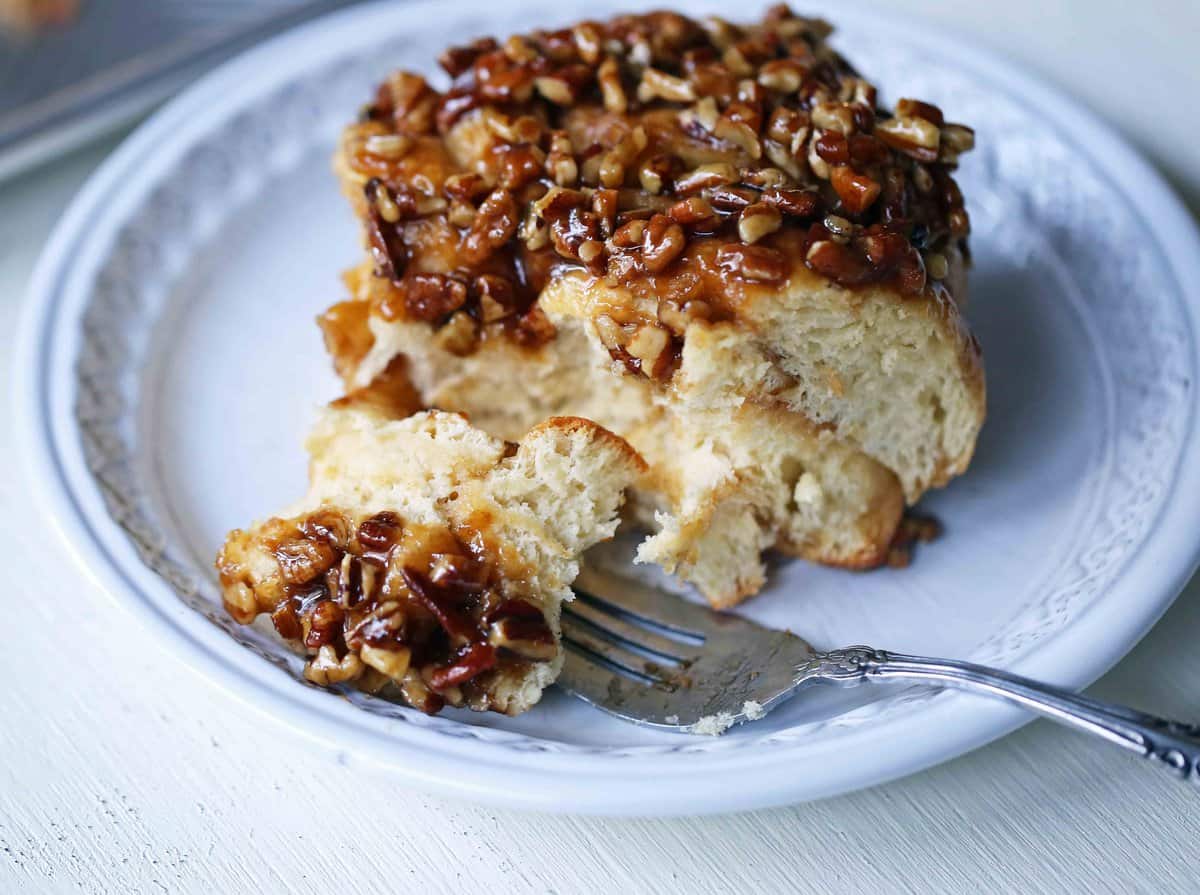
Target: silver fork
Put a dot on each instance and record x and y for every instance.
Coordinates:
(654, 659)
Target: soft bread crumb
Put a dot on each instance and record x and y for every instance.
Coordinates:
(724, 482)
(713, 725)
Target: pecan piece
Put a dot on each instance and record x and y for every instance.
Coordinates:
(756, 263)
(657, 84)
(867, 150)
(732, 198)
(915, 108)
(517, 165)
(388, 147)
(558, 90)
(501, 82)
(432, 296)
(838, 262)
(857, 191)
(662, 242)
(494, 225)
(693, 212)
(784, 75)
(611, 90)
(704, 177)
(629, 234)
(444, 603)
(833, 148)
(304, 559)
(390, 662)
(650, 348)
(322, 624)
(456, 60)
(758, 221)
(533, 328)
(387, 247)
(560, 162)
(796, 203)
(466, 187)
(834, 117)
(528, 637)
(376, 536)
(414, 103)
(915, 137)
(286, 621)
(472, 660)
(326, 668)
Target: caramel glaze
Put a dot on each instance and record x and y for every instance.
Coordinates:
(683, 161)
(430, 599)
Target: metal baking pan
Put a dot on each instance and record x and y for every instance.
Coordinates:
(111, 60)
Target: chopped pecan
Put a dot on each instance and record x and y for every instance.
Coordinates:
(756, 263)
(326, 668)
(428, 296)
(457, 60)
(444, 603)
(916, 137)
(471, 661)
(915, 108)
(694, 212)
(304, 559)
(838, 262)
(796, 203)
(322, 623)
(833, 148)
(611, 90)
(657, 84)
(494, 225)
(388, 251)
(662, 243)
(391, 662)
(757, 221)
(857, 191)
(414, 103)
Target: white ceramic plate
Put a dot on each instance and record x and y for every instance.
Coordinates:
(170, 366)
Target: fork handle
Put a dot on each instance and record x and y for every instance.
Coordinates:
(1172, 744)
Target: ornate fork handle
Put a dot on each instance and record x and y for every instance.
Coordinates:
(1172, 744)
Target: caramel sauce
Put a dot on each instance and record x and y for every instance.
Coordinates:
(427, 593)
(688, 163)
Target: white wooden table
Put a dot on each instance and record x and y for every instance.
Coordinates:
(122, 771)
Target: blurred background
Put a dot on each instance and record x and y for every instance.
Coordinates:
(73, 70)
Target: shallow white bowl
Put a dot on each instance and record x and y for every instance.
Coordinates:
(169, 367)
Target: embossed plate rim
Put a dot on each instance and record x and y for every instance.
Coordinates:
(643, 781)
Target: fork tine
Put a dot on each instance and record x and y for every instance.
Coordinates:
(625, 632)
(734, 669)
(613, 592)
(584, 637)
(592, 682)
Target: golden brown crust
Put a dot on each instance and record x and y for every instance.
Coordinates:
(575, 424)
